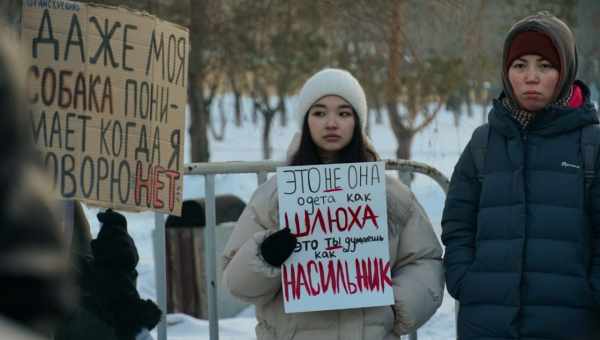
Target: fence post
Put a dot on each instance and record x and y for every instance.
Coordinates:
(261, 177)
(209, 255)
(160, 273)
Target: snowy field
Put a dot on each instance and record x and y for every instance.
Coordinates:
(439, 145)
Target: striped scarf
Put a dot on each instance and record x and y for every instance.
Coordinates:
(524, 117)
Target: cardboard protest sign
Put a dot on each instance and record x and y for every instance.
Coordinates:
(341, 260)
(109, 91)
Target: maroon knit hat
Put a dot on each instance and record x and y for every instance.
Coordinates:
(533, 42)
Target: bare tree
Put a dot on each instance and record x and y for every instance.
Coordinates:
(220, 133)
(281, 46)
(206, 21)
(403, 56)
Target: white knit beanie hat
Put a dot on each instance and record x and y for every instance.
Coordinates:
(332, 81)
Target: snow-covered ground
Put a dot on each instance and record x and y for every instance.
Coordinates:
(439, 145)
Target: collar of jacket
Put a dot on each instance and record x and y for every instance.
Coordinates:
(552, 120)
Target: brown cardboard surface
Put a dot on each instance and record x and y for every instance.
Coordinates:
(108, 87)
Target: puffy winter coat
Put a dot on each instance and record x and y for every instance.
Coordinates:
(522, 250)
(415, 258)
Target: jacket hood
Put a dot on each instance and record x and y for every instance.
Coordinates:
(564, 41)
(551, 120)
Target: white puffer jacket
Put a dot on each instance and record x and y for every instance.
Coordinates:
(415, 259)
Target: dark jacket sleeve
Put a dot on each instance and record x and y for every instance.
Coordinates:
(594, 209)
(114, 283)
(459, 221)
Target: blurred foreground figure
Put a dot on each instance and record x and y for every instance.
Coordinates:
(34, 281)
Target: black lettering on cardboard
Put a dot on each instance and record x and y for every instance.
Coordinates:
(124, 170)
(133, 84)
(67, 166)
(69, 131)
(48, 99)
(93, 100)
(51, 165)
(155, 158)
(117, 138)
(181, 54)
(171, 57)
(104, 150)
(75, 28)
(84, 119)
(107, 95)
(128, 125)
(156, 51)
(126, 46)
(144, 99)
(80, 87)
(64, 93)
(142, 147)
(86, 183)
(55, 132)
(45, 26)
(102, 174)
(105, 48)
(175, 144)
(41, 127)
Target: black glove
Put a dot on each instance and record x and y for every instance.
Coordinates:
(113, 247)
(149, 314)
(113, 219)
(276, 248)
(130, 318)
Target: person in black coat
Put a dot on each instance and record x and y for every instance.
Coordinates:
(522, 235)
(110, 306)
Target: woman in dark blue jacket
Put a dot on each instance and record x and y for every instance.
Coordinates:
(522, 233)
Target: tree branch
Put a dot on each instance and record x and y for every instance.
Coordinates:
(430, 117)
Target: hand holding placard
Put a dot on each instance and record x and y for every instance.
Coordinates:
(278, 247)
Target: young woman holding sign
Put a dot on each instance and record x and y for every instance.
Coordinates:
(332, 110)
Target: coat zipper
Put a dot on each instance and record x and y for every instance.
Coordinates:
(524, 249)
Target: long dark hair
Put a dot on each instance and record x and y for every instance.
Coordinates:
(356, 151)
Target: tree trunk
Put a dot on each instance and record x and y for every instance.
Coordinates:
(237, 104)
(198, 124)
(200, 94)
(469, 103)
(219, 134)
(404, 144)
(283, 114)
(255, 106)
(403, 152)
(377, 106)
(393, 87)
(456, 115)
(266, 142)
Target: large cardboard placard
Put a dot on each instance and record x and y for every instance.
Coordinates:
(109, 90)
(341, 260)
